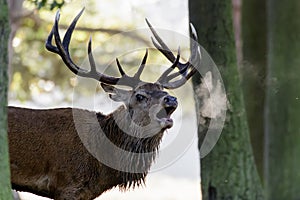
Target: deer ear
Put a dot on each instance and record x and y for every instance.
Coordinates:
(116, 94)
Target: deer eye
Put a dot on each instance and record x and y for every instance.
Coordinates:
(140, 97)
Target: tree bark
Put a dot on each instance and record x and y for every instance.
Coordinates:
(5, 188)
(228, 171)
(283, 101)
(253, 72)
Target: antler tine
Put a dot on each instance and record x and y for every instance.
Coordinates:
(194, 43)
(137, 75)
(49, 46)
(180, 82)
(183, 80)
(195, 55)
(62, 49)
(193, 61)
(125, 79)
(170, 69)
(122, 72)
(162, 47)
(68, 34)
(91, 58)
(176, 74)
(193, 32)
(186, 70)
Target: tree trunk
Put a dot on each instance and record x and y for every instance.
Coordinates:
(228, 171)
(283, 101)
(5, 188)
(253, 71)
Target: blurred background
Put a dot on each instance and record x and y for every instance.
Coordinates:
(257, 156)
(39, 79)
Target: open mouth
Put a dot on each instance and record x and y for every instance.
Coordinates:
(165, 112)
(164, 115)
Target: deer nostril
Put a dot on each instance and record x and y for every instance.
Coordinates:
(170, 99)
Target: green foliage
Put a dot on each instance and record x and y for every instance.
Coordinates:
(48, 4)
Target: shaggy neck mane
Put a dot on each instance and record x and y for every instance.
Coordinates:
(141, 151)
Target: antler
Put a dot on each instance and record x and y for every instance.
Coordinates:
(186, 70)
(62, 49)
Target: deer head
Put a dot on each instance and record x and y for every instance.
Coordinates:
(146, 103)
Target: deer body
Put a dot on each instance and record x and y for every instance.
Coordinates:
(49, 158)
(57, 153)
(52, 161)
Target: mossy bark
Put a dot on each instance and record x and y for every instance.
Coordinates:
(228, 171)
(5, 185)
(253, 72)
(283, 101)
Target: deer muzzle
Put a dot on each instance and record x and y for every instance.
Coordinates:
(169, 105)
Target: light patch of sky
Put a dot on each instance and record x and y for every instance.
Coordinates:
(171, 15)
(121, 9)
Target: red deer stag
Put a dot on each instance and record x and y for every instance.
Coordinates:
(50, 158)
